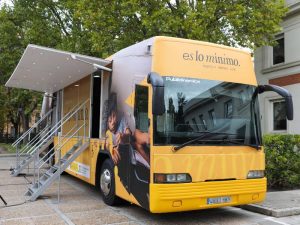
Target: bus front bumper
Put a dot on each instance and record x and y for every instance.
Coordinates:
(203, 195)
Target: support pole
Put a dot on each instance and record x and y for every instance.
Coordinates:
(59, 170)
(84, 126)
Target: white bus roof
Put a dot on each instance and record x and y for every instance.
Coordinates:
(49, 70)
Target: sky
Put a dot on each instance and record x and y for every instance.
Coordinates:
(9, 2)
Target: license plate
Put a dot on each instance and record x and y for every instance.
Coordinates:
(218, 200)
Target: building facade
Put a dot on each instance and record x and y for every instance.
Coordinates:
(280, 65)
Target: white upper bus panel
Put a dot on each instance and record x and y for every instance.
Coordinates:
(49, 70)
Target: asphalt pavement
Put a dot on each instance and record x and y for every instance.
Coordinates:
(81, 203)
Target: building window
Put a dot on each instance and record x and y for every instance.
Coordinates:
(243, 97)
(279, 116)
(278, 51)
(228, 109)
(141, 108)
(202, 122)
(212, 116)
(195, 125)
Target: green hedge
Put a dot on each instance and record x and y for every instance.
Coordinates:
(282, 160)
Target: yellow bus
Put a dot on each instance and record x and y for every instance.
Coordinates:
(169, 124)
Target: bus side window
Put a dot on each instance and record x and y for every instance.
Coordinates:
(141, 108)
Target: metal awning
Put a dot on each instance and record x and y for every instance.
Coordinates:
(49, 70)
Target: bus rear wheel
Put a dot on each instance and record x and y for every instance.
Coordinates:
(107, 183)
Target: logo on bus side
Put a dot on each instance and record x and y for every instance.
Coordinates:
(181, 79)
(217, 59)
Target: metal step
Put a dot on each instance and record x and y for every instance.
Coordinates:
(62, 161)
(29, 192)
(45, 176)
(54, 172)
(67, 155)
(53, 169)
(37, 185)
(71, 151)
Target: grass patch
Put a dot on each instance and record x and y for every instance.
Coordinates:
(8, 147)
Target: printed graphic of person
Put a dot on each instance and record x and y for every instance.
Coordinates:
(141, 143)
(117, 132)
(129, 150)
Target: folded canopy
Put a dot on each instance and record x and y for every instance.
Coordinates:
(49, 70)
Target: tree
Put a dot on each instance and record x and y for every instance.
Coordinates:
(18, 29)
(115, 24)
(3, 119)
(100, 28)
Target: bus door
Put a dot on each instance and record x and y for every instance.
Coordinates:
(134, 168)
(95, 105)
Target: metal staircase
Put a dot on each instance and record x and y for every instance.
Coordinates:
(44, 176)
(32, 141)
(47, 178)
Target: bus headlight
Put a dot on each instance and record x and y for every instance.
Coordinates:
(172, 178)
(255, 174)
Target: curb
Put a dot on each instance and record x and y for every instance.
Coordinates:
(272, 212)
(8, 155)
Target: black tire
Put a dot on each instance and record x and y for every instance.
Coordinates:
(109, 196)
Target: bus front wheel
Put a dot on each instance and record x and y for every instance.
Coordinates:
(107, 183)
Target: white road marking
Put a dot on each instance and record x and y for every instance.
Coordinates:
(275, 221)
(60, 213)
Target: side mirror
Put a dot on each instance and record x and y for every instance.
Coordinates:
(284, 93)
(158, 93)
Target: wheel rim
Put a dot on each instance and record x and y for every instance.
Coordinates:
(105, 182)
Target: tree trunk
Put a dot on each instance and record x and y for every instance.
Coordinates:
(16, 127)
(25, 124)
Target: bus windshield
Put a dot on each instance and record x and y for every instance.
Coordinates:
(220, 113)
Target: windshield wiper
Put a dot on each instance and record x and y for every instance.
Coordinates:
(233, 141)
(224, 140)
(176, 148)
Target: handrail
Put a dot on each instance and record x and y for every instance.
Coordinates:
(54, 147)
(55, 128)
(76, 132)
(76, 106)
(44, 135)
(47, 119)
(38, 141)
(33, 126)
(61, 145)
(53, 154)
(58, 147)
(33, 140)
(39, 121)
